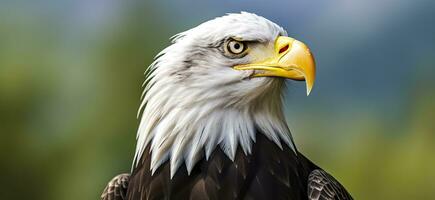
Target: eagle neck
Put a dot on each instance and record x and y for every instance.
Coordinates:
(186, 134)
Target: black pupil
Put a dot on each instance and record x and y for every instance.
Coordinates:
(237, 46)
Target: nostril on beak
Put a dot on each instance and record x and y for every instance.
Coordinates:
(283, 49)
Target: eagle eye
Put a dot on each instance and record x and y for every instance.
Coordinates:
(236, 47)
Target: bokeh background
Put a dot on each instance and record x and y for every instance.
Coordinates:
(71, 75)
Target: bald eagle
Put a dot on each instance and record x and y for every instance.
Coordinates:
(212, 125)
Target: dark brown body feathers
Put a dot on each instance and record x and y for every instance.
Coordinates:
(267, 173)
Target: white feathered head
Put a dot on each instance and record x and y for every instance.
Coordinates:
(215, 85)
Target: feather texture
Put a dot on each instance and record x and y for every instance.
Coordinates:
(116, 189)
(269, 172)
(322, 186)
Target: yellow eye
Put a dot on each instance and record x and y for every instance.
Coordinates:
(236, 47)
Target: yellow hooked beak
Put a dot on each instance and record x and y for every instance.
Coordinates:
(292, 59)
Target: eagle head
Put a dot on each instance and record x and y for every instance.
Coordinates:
(217, 85)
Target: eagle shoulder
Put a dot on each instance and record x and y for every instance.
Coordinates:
(322, 186)
(116, 189)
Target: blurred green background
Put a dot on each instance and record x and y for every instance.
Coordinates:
(71, 75)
